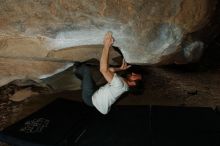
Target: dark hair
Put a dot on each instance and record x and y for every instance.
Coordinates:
(139, 87)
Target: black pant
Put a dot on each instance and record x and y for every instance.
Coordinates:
(88, 85)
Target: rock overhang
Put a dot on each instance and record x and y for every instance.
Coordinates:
(146, 31)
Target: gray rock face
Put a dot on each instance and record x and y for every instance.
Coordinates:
(146, 31)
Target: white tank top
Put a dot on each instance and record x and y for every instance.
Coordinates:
(106, 95)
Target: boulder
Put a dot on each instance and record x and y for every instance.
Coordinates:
(47, 34)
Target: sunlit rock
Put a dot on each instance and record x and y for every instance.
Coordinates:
(146, 31)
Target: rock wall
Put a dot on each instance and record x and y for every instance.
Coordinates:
(146, 31)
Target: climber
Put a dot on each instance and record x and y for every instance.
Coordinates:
(102, 98)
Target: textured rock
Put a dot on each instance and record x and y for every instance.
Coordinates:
(45, 65)
(146, 31)
(12, 69)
